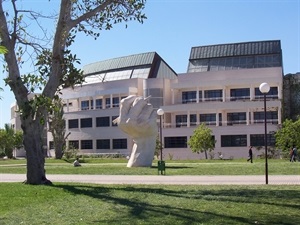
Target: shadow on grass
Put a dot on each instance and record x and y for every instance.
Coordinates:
(174, 167)
(141, 207)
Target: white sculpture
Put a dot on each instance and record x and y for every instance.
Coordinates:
(138, 119)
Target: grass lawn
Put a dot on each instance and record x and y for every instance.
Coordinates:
(198, 167)
(72, 204)
(83, 204)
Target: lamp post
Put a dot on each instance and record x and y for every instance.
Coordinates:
(160, 112)
(265, 88)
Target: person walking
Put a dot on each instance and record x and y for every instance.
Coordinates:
(295, 154)
(292, 155)
(250, 155)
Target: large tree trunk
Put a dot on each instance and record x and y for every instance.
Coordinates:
(33, 133)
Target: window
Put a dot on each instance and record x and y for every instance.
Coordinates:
(233, 140)
(190, 96)
(107, 103)
(85, 105)
(175, 142)
(98, 103)
(239, 94)
(272, 117)
(73, 123)
(86, 122)
(74, 144)
(116, 102)
(120, 143)
(181, 120)
(272, 94)
(102, 121)
(193, 119)
(259, 140)
(213, 95)
(51, 145)
(208, 119)
(112, 119)
(236, 118)
(103, 144)
(86, 144)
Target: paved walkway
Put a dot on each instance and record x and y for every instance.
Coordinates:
(161, 179)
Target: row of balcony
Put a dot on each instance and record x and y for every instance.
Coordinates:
(221, 123)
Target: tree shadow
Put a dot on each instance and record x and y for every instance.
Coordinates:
(139, 209)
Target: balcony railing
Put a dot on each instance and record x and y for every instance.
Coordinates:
(221, 123)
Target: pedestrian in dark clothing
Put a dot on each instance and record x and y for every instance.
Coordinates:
(291, 155)
(250, 155)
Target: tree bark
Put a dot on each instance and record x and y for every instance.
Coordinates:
(33, 143)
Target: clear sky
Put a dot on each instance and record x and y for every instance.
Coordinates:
(173, 27)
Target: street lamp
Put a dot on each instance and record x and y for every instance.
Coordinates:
(160, 112)
(265, 88)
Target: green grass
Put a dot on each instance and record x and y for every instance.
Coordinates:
(83, 204)
(200, 167)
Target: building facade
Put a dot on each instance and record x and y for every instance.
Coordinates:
(220, 89)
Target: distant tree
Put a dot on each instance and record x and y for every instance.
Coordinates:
(10, 140)
(54, 62)
(57, 127)
(202, 140)
(288, 135)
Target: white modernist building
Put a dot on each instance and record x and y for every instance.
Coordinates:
(220, 89)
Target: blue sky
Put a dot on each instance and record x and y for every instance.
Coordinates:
(174, 26)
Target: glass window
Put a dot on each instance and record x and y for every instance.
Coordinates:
(239, 94)
(140, 73)
(98, 103)
(208, 119)
(118, 75)
(199, 65)
(85, 105)
(236, 118)
(86, 122)
(259, 140)
(181, 120)
(73, 123)
(86, 144)
(213, 95)
(102, 121)
(175, 142)
(94, 78)
(190, 96)
(116, 102)
(233, 140)
(272, 117)
(51, 144)
(107, 103)
(272, 94)
(120, 143)
(112, 119)
(193, 119)
(103, 144)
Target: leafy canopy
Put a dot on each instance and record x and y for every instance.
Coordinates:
(288, 135)
(202, 139)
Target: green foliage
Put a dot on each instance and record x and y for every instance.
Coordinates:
(288, 135)
(71, 152)
(10, 140)
(83, 204)
(202, 139)
(3, 50)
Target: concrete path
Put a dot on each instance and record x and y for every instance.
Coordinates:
(164, 179)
